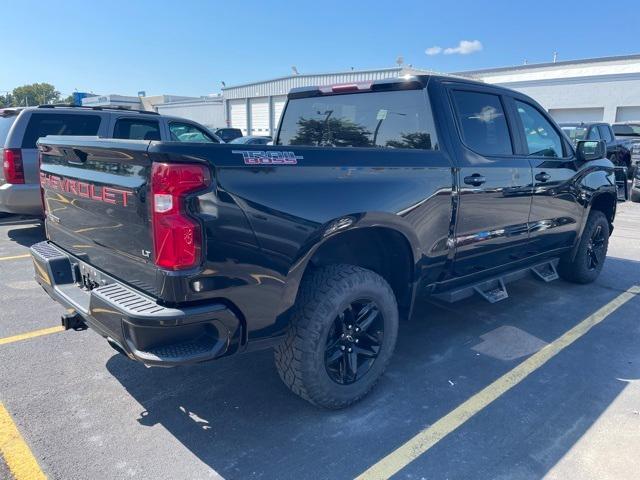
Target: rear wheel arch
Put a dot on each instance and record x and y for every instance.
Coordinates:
(383, 250)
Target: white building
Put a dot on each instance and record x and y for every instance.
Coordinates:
(595, 89)
(208, 111)
(135, 103)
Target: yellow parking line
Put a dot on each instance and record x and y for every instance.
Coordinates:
(28, 335)
(15, 257)
(16, 453)
(427, 438)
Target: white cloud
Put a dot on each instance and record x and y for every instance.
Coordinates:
(465, 47)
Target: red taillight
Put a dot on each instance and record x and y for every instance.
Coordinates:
(12, 165)
(176, 236)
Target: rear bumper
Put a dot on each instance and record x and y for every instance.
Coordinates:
(21, 199)
(132, 321)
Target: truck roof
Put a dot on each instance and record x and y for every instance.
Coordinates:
(394, 83)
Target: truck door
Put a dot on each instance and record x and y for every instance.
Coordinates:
(555, 211)
(495, 184)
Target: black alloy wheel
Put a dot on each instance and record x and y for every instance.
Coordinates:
(595, 248)
(354, 342)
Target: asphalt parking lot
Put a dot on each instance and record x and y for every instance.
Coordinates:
(87, 412)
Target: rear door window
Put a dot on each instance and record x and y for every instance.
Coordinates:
(593, 133)
(43, 124)
(136, 129)
(482, 122)
(185, 132)
(396, 119)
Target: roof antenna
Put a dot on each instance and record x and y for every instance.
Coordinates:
(555, 57)
(400, 60)
(294, 70)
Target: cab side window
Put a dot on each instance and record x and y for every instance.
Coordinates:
(593, 133)
(542, 138)
(185, 132)
(137, 129)
(482, 122)
(605, 133)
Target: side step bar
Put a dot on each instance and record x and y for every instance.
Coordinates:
(494, 289)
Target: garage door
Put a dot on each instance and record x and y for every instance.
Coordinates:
(563, 115)
(278, 107)
(259, 116)
(628, 114)
(238, 114)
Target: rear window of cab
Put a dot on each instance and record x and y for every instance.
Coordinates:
(396, 119)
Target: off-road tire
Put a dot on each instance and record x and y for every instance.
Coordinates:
(323, 295)
(578, 268)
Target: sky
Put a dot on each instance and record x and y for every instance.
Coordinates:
(189, 47)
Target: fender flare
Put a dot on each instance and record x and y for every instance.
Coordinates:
(587, 211)
(357, 221)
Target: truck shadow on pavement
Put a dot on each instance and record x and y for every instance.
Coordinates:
(237, 417)
(28, 234)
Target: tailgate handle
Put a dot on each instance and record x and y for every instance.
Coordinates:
(82, 156)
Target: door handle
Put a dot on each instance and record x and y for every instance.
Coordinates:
(543, 177)
(476, 180)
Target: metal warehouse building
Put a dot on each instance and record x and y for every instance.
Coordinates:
(596, 89)
(208, 111)
(255, 108)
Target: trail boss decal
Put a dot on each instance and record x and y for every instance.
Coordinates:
(114, 196)
(270, 157)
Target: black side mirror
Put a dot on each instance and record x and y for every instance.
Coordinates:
(591, 150)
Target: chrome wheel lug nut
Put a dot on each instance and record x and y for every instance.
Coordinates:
(349, 326)
(357, 340)
(357, 329)
(350, 350)
(342, 347)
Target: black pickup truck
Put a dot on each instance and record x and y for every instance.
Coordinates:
(620, 150)
(180, 253)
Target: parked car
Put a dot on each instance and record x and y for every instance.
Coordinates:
(228, 134)
(253, 140)
(627, 130)
(318, 245)
(619, 150)
(631, 132)
(20, 129)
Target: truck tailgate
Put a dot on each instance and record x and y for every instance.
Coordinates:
(96, 204)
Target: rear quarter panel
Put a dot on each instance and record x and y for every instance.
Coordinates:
(264, 222)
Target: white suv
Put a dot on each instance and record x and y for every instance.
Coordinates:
(20, 129)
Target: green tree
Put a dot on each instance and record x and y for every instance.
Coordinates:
(68, 100)
(35, 94)
(412, 140)
(6, 100)
(331, 132)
